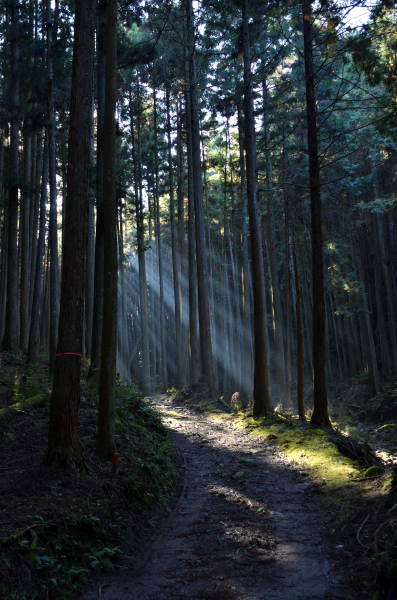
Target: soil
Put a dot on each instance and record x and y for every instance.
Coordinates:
(245, 525)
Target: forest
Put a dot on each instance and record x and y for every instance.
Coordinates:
(197, 200)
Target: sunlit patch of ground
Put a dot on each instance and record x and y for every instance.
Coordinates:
(340, 479)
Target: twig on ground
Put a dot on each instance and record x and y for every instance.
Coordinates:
(360, 528)
(100, 589)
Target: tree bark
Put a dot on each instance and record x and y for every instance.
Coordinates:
(105, 445)
(301, 343)
(24, 239)
(201, 251)
(162, 362)
(288, 290)
(175, 254)
(262, 395)
(37, 295)
(99, 252)
(53, 234)
(278, 323)
(320, 413)
(11, 337)
(246, 362)
(63, 440)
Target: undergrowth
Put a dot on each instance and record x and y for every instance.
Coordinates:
(58, 528)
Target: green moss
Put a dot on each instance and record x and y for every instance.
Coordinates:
(19, 407)
(374, 471)
(120, 427)
(314, 451)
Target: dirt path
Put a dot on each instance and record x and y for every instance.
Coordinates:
(246, 526)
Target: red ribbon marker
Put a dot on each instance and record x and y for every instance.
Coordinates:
(115, 461)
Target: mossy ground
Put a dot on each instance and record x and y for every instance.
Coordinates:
(312, 450)
(58, 528)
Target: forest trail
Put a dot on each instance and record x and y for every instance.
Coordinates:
(245, 526)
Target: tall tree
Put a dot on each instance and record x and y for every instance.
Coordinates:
(107, 383)
(53, 232)
(11, 337)
(63, 438)
(201, 254)
(99, 255)
(320, 413)
(262, 396)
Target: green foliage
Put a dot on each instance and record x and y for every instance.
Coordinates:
(88, 529)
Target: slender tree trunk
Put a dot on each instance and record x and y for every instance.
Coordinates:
(63, 441)
(141, 251)
(162, 362)
(201, 256)
(4, 265)
(234, 256)
(389, 288)
(10, 339)
(89, 282)
(46, 300)
(105, 446)
(372, 359)
(301, 343)
(276, 295)
(53, 234)
(193, 308)
(262, 396)
(183, 281)
(246, 363)
(99, 252)
(24, 239)
(288, 284)
(175, 255)
(35, 209)
(214, 340)
(123, 342)
(383, 342)
(37, 295)
(320, 413)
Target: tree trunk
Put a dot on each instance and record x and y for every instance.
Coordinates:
(246, 363)
(175, 254)
(320, 413)
(162, 362)
(301, 343)
(211, 266)
(10, 339)
(89, 283)
(262, 396)
(53, 234)
(287, 284)
(193, 308)
(99, 252)
(105, 445)
(371, 354)
(4, 265)
(24, 239)
(183, 280)
(201, 251)
(63, 440)
(37, 295)
(35, 209)
(276, 295)
(387, 363)
(141, 252)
